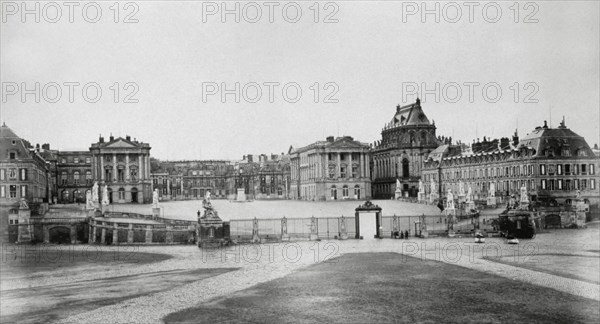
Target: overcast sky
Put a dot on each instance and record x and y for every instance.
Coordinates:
(371, 59)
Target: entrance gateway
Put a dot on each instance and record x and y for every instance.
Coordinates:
(368, 221)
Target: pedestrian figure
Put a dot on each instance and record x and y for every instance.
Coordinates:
(406, 234)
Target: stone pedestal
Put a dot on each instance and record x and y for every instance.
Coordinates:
(461, 198)
(115, 234)
(398, 194)
(25, 231)
(155, 212)
(169, 235)
(451, 219)
(421, 196)
(210, 229)
(73, 234)
(148, 233)
(241, 194)
(130, 234)
(491, 201)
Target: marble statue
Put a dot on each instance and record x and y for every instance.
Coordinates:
(155, 198)
(105, 200)
(89, 203)
(524, 197)
(492, 190)
(450, 200)
(461, 188)
(469, 194)
(284, 225)
(95, 192)
(432, 186)
(578, 194)
(23, 204)
(421, 188)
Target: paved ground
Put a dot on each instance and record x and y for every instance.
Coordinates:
(388, 288)
(276, 209)
(258, 264)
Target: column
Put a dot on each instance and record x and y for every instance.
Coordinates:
(127, 167)
(147, 166)
(90, 230)
(99, 156)
(350, 163)
(362, 165)
(93, 238)
(114, 175)
(46, 234)
(339, 164)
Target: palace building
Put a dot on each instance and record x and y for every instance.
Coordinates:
(405, 144)
(553, 164)
(337, 168)
(123, 165)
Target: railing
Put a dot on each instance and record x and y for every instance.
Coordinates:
(297, 228)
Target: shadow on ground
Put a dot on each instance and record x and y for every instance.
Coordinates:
(54, 302)
(388, 287)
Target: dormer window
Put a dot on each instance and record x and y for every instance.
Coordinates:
(12, 155)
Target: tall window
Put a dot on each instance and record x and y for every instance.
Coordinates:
(23, 174)
(121, 194)
(405, 169)
(120, 174)
(88, 177)
(354, 171)
(592, 169)
(584, 169)
(567, 169)
(345, 191)
(2, 191)
(342, 171)
(63, 178)
(2, 174)
(133, 174)
(23, 191)
(543, 169)
(76, 177)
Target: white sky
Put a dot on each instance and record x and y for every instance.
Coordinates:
(369, 53)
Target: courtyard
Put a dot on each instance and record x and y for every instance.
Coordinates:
(422, 280)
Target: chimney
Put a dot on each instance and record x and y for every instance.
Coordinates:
(46, 147)
(545, 125)
(37, 147)
(112, 138)
(330, 139)
(397, 108)
(249, 157)
(128, 138)
(101, 139)
(504, 143)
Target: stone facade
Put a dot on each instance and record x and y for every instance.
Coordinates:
(553, 164)
(337, 168)
(405, 144)
(74, 175)
(124, 166)
(23, 175)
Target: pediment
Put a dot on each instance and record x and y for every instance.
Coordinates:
(120, 143)
(346, 143)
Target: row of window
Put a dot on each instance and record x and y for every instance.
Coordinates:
(76, 159)
(567, 169)
(13, 173)
(561, 184)
(120, 158)
(525, 170)
(12, 191)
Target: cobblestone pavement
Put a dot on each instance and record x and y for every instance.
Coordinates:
(261, 263)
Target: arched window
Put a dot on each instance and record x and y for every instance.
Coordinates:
(345, 191)
(333, 191)
(88, 177)
(121, 193)
(405, 170)
(76, 177)
(357, 192)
